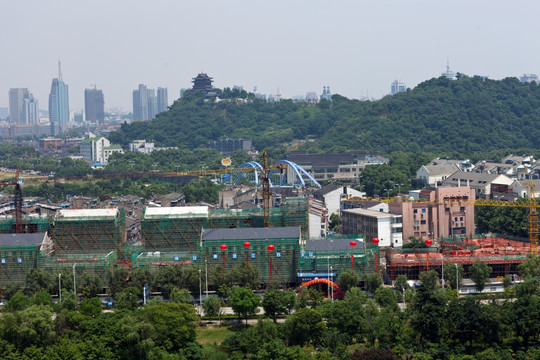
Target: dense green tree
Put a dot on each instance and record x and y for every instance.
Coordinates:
(273, 304)
(305, 326)
(37, 280)
(212, 306)
(91, 307)
(429, 279)
(480, 272)
(180, 296)
(127, 298)
(372, 282)
(244, 302)
(347, 280)
(385, 297)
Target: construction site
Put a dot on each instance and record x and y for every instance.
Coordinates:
(502, 254)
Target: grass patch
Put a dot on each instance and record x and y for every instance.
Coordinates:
(212, 334)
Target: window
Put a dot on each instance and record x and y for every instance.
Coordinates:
(461, 218)
(423, 211)
(415, 211)
(423, 222)
(462, 208)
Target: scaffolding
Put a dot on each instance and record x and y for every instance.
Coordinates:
(30, 224)
(503, 255)
(180, 228)
(334, 255)
(97, 263)
(83, 231)
(283, 257)
(15, 261)
(155, 259)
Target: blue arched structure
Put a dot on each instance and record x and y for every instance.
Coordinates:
(237, 174)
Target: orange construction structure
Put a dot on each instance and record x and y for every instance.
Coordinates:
(501, 254)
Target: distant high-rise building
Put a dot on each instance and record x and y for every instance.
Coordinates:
(529, 78)
(144, 103)
(94, 106)
(397, 86)
(326, 94)
(59, 104)
(30, 110)
(162, 100)
(16, 104)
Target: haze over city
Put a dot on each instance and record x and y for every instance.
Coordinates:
(356, 47)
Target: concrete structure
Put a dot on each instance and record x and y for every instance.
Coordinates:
(387, 227)
(50, 144)
(326, 94)
(146, 147)
(16, 97)
(98, 149)
(525, 78)
(59, 104)
(94, 106)
(338, 166)
(332, 194)
(484, 184)
(442, 212)
(318, 219)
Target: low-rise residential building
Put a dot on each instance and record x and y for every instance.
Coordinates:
(439, 169)
(146, 147)
(522, 188)
(485, 185)
(384, 226)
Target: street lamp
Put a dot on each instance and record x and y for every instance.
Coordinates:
(352, 243)
(375, 242)
(74, 282)
(206, 275)
(428, 243)
(457, 279)
(200, 292)
(332, 277)
(399, 187)
(270, 249)
(60, 286)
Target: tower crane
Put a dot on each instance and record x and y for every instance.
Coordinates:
(17, 201)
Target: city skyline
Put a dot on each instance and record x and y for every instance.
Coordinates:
(356, 48)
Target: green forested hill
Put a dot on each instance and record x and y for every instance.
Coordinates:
(468, 115)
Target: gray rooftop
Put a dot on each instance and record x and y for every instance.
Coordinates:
(251, 233)
(21, 239)
(333, 244)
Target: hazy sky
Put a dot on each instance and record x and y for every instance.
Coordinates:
(356, 47)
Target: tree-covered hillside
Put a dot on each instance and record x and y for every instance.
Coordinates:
(468, 115)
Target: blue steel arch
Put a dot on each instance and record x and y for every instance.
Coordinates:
(240, 174)
(237, 174)
(298, 170)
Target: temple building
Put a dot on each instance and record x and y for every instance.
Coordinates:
(202, 82)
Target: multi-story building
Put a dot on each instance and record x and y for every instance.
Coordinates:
(98, 149)
(332, 194)
(485, 185)
(441, 212)
(59, 104)
(384, 226)
(94, 106)
(318, 219)
(338, 166)
(227, 146)
(438, 170)
(525, 78)
(162, 100)
(30, 110)
(146, 147)
(144, 103)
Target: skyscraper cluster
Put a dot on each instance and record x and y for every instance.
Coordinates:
(23, 108)
(145, 103)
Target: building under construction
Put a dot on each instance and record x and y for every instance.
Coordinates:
(331, 256)
(88, 230)
(503, 255)
(181, 227)
(20, 253)
(30, 224)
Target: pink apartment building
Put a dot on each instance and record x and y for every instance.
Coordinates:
(441, 212)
